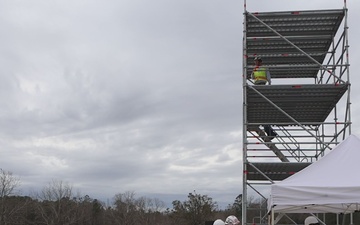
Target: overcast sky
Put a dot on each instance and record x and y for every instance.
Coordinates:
(130, 95)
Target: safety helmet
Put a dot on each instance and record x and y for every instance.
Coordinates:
(219, 222)
(232, 220)
(257, 58)
(311, 220)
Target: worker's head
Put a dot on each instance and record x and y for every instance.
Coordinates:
(232, 220)
(219, 222)
(311, 220)
(257, 60)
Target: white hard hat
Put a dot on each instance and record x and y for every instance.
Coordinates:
(232, 220)
(219, 222)
(311, 220)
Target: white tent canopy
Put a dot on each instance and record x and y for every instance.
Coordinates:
(331, 184)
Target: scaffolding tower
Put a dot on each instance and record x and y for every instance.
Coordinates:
(308, 103)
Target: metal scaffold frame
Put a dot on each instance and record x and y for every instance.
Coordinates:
(308, 103)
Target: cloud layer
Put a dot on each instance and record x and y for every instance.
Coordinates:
(126, 95)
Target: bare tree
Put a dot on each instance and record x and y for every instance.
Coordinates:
(8, 185)
(131, 210)
(58, 205)
(125, 208)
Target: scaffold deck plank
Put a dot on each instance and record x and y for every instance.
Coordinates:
(276, 171)
(309, 103)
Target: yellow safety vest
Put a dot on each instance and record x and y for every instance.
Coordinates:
(259, 73)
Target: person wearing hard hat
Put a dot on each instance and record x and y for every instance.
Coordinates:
(232, 220)
(218, 222)
(311, 220)
(261, 76)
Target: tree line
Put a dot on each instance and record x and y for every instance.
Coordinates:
(57, 204)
